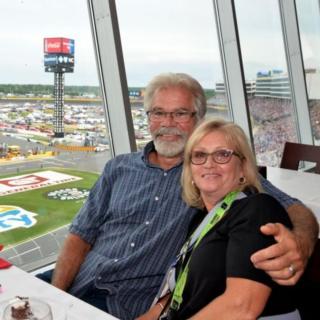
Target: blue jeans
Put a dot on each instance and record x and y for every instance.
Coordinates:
(94, 296)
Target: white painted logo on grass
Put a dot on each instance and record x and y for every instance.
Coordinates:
(12, 217)
(35, 180)
(68, 194)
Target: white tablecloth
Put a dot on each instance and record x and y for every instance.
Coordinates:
(15, 282)
(302, 185)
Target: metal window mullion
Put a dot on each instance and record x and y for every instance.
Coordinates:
(292, 45)
(232, 63)
(112, 76)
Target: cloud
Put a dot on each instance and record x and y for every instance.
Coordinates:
(163, 36)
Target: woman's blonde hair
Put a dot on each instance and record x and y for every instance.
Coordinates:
(236, 139)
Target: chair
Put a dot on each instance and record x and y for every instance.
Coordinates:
(293, 153)
(263, 171)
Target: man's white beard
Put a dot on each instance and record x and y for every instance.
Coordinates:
(169, 149)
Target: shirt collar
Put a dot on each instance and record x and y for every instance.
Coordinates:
(149, 147)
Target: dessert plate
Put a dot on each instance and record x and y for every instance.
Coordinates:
(41, 309)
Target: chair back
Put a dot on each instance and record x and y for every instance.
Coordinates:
(293, 153)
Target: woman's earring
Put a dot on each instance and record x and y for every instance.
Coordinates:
(242, 180)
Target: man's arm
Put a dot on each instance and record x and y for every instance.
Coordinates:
(69, 261)
(305, 227)
(293, 248)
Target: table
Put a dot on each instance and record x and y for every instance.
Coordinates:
(15, 282)
(299, 184)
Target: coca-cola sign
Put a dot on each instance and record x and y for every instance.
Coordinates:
(59, 45)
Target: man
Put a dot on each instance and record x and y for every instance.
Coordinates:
(134, 221)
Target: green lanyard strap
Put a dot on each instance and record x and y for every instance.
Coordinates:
(183, 274)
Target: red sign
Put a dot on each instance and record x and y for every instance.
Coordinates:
(23, 181)
(59, 45)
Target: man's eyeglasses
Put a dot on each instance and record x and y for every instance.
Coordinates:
(221, 156)
(178, 116)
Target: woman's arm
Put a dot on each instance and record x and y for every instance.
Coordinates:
(243, 299)
(152, 314)
(155, 311)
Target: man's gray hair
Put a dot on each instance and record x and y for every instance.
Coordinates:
(183, 80)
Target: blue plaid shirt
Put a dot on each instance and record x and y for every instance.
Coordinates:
(136, 222)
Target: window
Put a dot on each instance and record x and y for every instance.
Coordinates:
(309, 24)
(58, 129)
(170, 36)
(267, 81)
(46, 170)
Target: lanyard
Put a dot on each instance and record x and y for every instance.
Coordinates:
(183, 274)
(169, 280)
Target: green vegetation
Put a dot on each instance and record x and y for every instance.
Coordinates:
(43, 89)
(209, 93)
(51, 214)
(72, 91)
(12, 115)
(46, 140)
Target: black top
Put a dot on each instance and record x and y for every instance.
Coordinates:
(225, 252)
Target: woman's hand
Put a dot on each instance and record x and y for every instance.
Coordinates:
(153, 313)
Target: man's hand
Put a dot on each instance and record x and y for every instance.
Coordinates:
(284, 261)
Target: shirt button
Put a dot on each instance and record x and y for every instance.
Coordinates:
(132, 244)
(147, 222)
(165, 174)
(156, 198)
(99, 278)
(115, 260)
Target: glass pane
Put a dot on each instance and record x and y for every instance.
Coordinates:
(53, 135)
(170, 36)
(309, 25)
(271, 110)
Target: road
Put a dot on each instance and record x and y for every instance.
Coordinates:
(86, 161)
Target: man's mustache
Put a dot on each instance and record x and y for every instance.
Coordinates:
(164, 131)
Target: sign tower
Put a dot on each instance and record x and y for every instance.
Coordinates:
(58, 58)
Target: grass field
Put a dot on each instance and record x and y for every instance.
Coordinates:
(51, 214)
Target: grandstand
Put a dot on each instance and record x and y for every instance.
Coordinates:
(273, 84)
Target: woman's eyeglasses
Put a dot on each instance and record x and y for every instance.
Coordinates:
(221, 156)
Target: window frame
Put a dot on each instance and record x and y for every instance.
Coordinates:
(292, 45)
(112, 75)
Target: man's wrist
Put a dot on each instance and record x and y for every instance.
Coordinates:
(305, 243)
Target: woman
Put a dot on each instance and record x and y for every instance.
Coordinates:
(215, 278)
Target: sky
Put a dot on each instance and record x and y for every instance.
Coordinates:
(167, 35)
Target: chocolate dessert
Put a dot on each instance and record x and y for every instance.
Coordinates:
(21, 310)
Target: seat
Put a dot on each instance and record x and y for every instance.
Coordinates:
(293, 153)
(263, 171)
